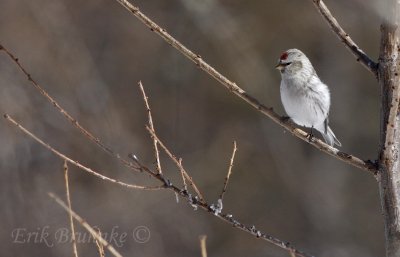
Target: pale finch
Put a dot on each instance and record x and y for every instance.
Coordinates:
(304, 96)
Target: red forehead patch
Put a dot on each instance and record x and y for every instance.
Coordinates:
(284, 56)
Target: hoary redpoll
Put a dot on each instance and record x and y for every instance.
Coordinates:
(304, 96)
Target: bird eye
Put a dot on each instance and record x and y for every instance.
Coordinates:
(288, 63)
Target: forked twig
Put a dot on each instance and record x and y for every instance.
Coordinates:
(86, 226)
(229, 171)
(151, 125)
(233, 88)
(178, 163)
(71, 220)
(77, 164)
(206, 207)
(183, 193)
(362, 57)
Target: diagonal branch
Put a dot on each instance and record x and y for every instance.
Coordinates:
(73, 121)
(233, 88)
(75, 163)
(362, 57)
(228, 218)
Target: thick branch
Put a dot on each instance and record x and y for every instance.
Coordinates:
(389, 162)
(362, 57)
(233, 88)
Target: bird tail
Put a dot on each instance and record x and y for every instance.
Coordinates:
(329, 137)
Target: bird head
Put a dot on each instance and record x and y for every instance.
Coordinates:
(292, 62)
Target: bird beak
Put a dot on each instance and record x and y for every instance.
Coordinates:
(280, 66)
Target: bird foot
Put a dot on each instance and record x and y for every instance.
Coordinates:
(285, 118)
(310, 136)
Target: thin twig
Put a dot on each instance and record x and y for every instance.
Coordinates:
(151, 125)
(229, 171)
(73, 121)
(183, 193)
(362, 57)
(86, 226)
(182, 174)
(71, 220)
(204, 206)
(100, 247)
(203, 245)
(292, 254)
(178, 164)
(75, 163)
(233, 88)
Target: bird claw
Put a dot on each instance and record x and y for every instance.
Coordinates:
(310, 136)
(285, 118)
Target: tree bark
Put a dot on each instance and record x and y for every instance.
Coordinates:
(389, 168)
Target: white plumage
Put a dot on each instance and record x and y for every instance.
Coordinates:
(304, 96)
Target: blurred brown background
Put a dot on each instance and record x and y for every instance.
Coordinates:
(90, 55)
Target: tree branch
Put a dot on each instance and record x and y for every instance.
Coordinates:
(183, 193)
(75, 163)
(228, 175)
(86, 225)
(151, 125)
(178, 163)
(203, 245)
(71, 220)
(56, 105)
(233, 88)
(362, 57)
(389, 159)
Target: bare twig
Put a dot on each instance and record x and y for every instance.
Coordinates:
(362, 57)
(100, 247)
(75, 163)
(183, 193)
(229, 171)
(73, 121)
(86, 226)
(151, 125)
(225, 217)
(182, 174)
(71, 220)
(233, 88)
(178, 163)
(292, 254)
(203, 245)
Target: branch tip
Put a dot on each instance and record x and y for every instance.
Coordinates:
(345, 38)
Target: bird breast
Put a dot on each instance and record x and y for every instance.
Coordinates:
(306, 103)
